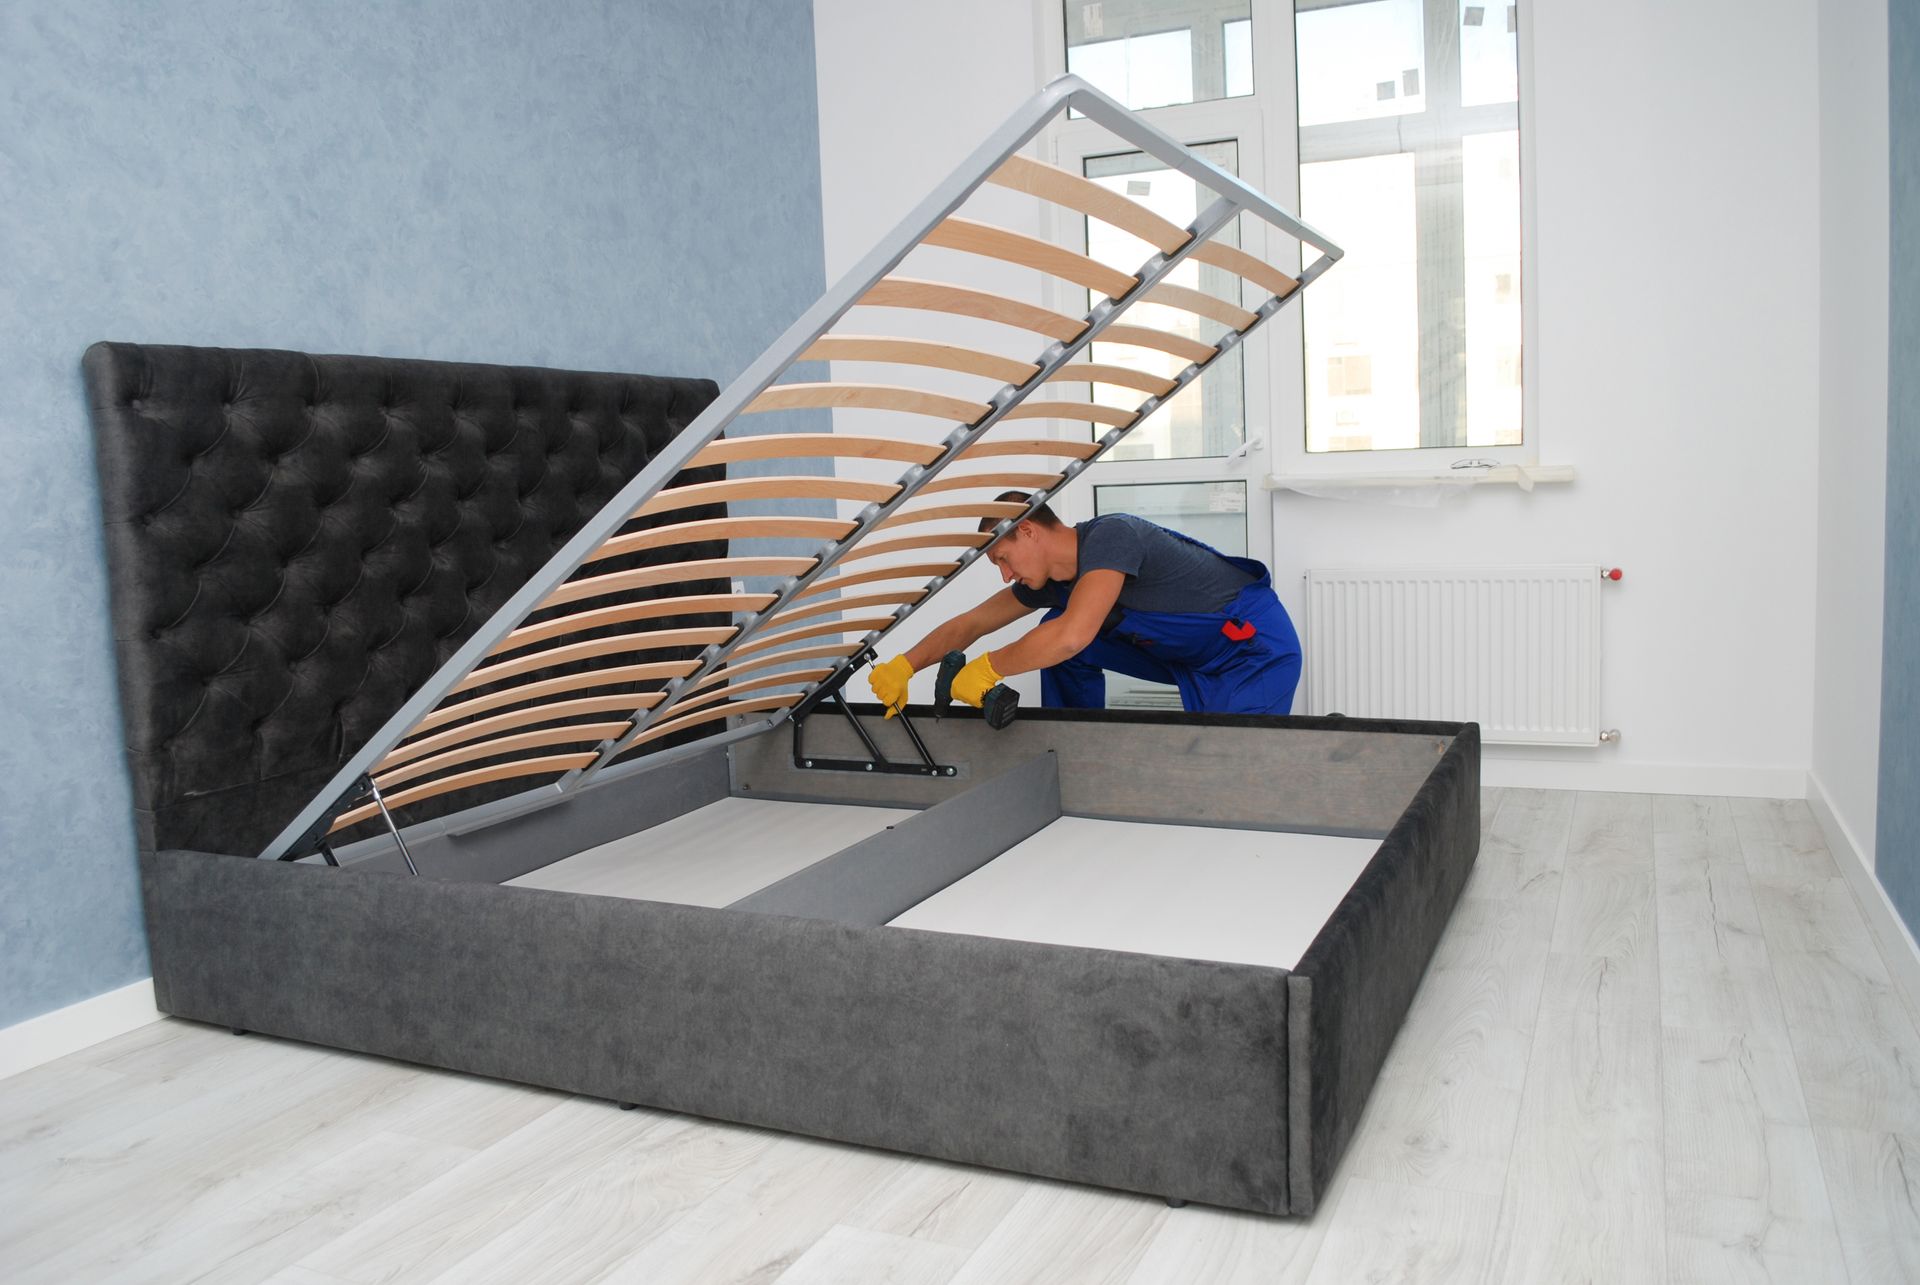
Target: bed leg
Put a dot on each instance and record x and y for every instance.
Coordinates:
(628, 1106)
(1175, 1204)
(239, 1030)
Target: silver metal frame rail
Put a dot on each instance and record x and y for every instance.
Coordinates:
(1232, 197)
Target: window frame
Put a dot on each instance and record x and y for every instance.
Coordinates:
(1276, 356)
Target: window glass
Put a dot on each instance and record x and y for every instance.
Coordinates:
(1490, 170)
(1359, 61)
(1489, 54)
(1147, 53)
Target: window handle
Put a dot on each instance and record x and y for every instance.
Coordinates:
(1251, 444)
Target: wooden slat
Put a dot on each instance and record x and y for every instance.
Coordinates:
(834, 395)
(675, 573)
(1093, 372)
(932, 540)
(551, 765)
(650, 640)
(918, 352)
(985, 509)
(765, 488)
(852, 602)
(1051, 183)
(938, 296)
(1054, 408)
(545, 712)
(1029, 446)
(1200, 303)
(712, 715)
(955, 233)
(1160, 341)
(791, 678)
(554, 686)
(627, 612)
(663, 537)
(832, 651)
(1242, 264)
(571, 734)
(795, 446)
(990, 482)
(767, 642)
(908, 571)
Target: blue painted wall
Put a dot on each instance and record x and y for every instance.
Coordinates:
(611, 186)
(1897, 844)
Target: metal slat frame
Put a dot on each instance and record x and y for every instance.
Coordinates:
(1067, 91)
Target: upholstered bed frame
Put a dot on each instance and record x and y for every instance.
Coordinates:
(295, 540)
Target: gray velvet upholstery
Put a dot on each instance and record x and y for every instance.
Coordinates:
(889, 873)
(1130, 1071)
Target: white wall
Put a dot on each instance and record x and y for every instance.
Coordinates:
(1853, 413)
(1678, 353)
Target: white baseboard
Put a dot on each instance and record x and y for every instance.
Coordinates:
(41, 1039)
(1890, 932)
(1514, 770)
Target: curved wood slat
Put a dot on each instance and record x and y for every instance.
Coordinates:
(551, 765)
(955, 233)
(663, 537)
(765, 488)
(796, 446)
(908, 571)
(1030, 446)
(768, 642)
(855, 602)
(832, 395)
(1160, 341)
(1062, 187)
(714, 714)
(1080, 412)
(653, 640)
(938, 296)
(788, 679)
(728, 672)
(1200, 303)
(675, 573)
(627, 612)
(933, 540)
(989, 482)
(917, 352)
(553, 687)
(1241, 264)
(986, 509)
(1093, 372)
(572, 734)
(547, 712)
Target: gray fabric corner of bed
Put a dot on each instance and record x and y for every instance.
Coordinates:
(297, 542)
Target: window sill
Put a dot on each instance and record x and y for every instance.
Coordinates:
(1426, 488)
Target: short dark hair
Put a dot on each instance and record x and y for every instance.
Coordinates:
(1044, 515)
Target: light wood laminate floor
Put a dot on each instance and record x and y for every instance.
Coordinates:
(1656, 1044)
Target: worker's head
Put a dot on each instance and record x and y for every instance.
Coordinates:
(1028, 553)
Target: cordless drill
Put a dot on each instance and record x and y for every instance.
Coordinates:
(999, 706)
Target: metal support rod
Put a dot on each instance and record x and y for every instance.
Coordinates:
(913, 734)
(873, 751)
(405, 856)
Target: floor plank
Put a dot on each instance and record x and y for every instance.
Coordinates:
(1875, 1181)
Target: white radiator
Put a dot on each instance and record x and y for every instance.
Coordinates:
(1514, 649)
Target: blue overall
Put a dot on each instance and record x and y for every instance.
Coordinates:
(1216, 673)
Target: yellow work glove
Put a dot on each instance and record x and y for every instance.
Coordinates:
(974, 682)
(889, 683)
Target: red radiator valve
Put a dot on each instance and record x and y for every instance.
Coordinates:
(1613, 573)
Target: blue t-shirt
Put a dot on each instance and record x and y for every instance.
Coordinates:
(1163, 572)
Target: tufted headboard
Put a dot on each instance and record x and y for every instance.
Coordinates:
(295, 543)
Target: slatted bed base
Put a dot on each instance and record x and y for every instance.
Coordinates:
(492, 714)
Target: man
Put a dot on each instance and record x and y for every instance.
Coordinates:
(1123, 594)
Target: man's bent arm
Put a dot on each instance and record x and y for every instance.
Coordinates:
(962, 631)
(1066, 635)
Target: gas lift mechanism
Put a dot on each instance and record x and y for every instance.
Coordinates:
(998, 708)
